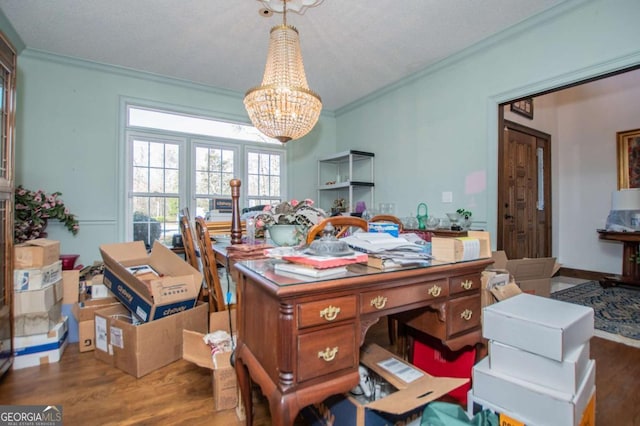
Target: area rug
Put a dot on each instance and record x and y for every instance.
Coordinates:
(617, 310)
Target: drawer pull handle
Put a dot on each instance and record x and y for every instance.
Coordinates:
(467, 284)
(379, 302)
(466, 314)
(330, 313)
(435, 290)
(328, 354)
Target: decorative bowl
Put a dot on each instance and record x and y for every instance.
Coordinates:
(68, 261)
(285, 235)
(453, 218)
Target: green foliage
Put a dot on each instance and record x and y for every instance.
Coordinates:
(34, 208)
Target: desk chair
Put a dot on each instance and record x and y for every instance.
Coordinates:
(341, 224)
(217, 299)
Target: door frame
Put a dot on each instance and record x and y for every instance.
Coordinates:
(502, 123)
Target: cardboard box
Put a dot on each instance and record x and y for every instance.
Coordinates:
(389, 228)
(533, 276)
(530, 403)
(84, 312)
(224, 382)
(39, 349)
(174, 290)
(36, 278)
(476, 245)
(565, 376)
(37, 311)
(141, 348)
(102, 323)
(36, 253)
(400, 407)
(70, 286)
(539, 325)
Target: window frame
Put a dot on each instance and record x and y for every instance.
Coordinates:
(189, 142)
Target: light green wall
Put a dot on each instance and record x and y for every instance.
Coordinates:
(437, 131)
(431, 133)
(69, 138)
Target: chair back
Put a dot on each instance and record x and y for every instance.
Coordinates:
(341, 224)
(188, 242)
(209, 267)
(222, 227)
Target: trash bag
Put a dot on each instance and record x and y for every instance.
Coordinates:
(447, 414)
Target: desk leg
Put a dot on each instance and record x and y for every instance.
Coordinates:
(244, 381)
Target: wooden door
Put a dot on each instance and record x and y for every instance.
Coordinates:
(524, 192)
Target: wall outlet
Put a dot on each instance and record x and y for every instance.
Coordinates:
(447, 197)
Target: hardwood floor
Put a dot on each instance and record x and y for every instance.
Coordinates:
(93, 393)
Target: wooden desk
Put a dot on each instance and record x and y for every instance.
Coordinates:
(299, 339)
(630, 269)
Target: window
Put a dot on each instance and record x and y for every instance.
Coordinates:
(176, 160)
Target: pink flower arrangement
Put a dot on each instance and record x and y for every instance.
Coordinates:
(294, 212)
(34, 208)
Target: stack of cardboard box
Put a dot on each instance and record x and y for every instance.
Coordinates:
(40, 330)
(538, 370)
(158, 293)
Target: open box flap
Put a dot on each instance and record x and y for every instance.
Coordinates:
(422, 391)
(409, 395)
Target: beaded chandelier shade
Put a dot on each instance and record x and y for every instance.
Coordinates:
(283, 107)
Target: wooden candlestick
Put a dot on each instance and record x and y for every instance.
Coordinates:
(236, 228)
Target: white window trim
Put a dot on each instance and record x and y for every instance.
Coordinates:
(187, 186)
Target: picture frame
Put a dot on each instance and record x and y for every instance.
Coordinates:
(523, 107)
(628, 158)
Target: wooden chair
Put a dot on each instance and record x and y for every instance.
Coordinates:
(217, 299)
(341, 224)
(388, 218)
(188, 242)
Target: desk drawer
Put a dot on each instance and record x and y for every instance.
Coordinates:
(324, 352)
(378, 300)
(463, 314)
(326, 311)
(464, 283)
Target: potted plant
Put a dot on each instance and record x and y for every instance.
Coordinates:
(465, 218)
(33, 209)
(289, 221)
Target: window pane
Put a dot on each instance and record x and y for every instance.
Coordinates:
(252, 163)
(172, 178)
(172, 153)
(202, 182)
(140, 153)
(140, 179)
(156, 180)
(156, 154)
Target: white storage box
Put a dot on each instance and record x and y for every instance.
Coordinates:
(529, 403)
(565, 376)
(543, 326)
(38, 349)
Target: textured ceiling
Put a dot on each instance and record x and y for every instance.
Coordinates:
(350, 47)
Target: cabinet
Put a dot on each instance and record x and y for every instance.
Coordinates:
(347, 175)
(7, 120)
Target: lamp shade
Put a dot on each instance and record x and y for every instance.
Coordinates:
(626, 199)
(283, 107)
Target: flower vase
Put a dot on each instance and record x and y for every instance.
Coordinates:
(285, 235)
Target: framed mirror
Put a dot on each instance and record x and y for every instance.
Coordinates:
(628, 159)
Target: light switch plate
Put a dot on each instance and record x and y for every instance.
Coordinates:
(447, 197)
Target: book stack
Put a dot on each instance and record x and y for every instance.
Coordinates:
(318, 266)
(538, 371)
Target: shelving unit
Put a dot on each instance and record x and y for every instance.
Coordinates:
(347, 175)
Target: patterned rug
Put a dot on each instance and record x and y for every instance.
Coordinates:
(617, 310)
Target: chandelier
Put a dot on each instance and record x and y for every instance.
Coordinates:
(283, 107)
